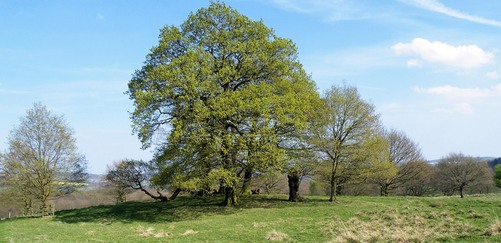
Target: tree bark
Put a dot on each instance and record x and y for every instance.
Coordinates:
(333, 189)
(247, 181)
(175, 194)
(294, 186)
(229, 196)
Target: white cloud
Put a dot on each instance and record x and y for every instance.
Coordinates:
(436, 6)
(461, 100)
(464, 56)
(492, 75)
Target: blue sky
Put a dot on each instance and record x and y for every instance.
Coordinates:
(431, 67)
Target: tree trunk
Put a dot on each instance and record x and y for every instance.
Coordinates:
(229, 196)
(175, 194)
(293, 179)
(461, 191)
(247, 181)
(384, 190)
(333, 189)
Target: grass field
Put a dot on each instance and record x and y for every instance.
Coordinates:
(271, 218)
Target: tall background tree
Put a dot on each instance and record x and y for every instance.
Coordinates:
(457, 172)
(220, 93)
(42, 151)
(348, 121)
(402, 152)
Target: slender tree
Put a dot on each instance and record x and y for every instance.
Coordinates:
(42, 151)
(223, 91)
(348, 122)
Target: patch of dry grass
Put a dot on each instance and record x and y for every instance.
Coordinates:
(276, 236)
(190, 232)
(495, 229)
(151, 232)
(393, 226)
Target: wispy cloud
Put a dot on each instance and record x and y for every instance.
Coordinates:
(461, 100)
(463, 56)
(436, 6)
(330, 10)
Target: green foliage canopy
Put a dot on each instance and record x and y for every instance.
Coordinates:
(220, 93)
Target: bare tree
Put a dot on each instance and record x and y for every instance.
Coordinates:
(420, 184)
(135, 175)
(401, 151)
(42, 151)
(456, 172)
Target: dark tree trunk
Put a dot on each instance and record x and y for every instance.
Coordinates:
(175, 194)
(461, 191)
(384, 190)
(333, 189)
(247, 181)
(229, 196)
(294, 186)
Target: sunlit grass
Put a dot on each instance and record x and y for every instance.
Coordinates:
(270, 219)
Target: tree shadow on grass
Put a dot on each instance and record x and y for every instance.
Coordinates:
(183, 208)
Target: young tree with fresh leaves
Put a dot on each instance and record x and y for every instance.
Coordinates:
(456, 172)
(223, 91)
(348, 121)
(42, 152)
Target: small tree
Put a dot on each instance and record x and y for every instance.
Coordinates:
(132, 174)
(42, 151)
(456, 172)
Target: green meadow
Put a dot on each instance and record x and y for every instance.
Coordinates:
(266, 218)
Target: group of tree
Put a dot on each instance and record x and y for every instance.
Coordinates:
(222, 98)
(41, 160)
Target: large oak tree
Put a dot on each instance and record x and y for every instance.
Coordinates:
(218, 95)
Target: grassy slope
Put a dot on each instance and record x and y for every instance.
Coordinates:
(262, 219)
